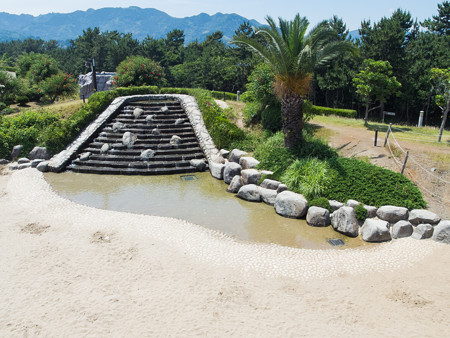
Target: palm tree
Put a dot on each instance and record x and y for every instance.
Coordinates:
(293, 54)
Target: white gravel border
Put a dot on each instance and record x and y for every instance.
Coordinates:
(29, 189)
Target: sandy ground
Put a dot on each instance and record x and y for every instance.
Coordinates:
(71, 270)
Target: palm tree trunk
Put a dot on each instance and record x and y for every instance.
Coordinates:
(292, 119)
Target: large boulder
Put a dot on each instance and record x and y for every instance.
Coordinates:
(137, 112)
(248, 162)
(249, 192)
(23, 160)
(402, 229)
(231, 169)
(250, 176)
(268, 196)
(318, 217)
(128, 139)
(147, 154)
(420, 216)
(16, 150)
(352, 203)
(42, 167)
(290, 204)
(236, 155)
(235, 184)
(442, 232)
(36, 162)
(282, 187)
(374, 230)
(224, 153)
(392, 214)
(423, 231)
(3, 161)
(175, 140)
(344, 221)
(217, 170)
(371, 211)
(270, 184)
(39, 153)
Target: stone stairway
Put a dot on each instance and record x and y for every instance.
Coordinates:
(143, 138)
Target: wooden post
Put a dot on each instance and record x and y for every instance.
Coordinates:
(387, 134)
(376, 137)
(406, 160)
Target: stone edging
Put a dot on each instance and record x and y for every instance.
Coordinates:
(58, 162)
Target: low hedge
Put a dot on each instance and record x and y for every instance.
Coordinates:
(219, 95)
(318, 110)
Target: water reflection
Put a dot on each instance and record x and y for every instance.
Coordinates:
(202, 201)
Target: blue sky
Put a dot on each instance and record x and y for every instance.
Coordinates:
(352, 12)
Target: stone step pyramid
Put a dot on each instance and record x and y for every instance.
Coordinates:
(152, 137)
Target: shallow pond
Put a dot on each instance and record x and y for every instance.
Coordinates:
(202, 200)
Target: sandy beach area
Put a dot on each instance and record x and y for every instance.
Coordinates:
(69, 270)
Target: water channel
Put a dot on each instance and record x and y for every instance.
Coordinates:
(200, 199)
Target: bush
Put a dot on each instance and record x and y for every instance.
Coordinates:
(321, 202)
(251, 111)
(22, 100)
(58, 85)
(308, 177)
(361, 212)
(318, 110)
(2, 106)
(372, 185)
(271, 118)
(138, 71)
(228, 96)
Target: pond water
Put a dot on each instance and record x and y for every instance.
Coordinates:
(202, 200)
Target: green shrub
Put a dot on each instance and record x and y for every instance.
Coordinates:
(361, 212)
(321, 202)
(138, 71)
(22, 100)
(308, 177)
(372, 185)
(60, 84)
(228, 96)
(318, 110)
(2, 106)
(271, 118)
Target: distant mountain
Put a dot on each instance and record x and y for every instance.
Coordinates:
(138, 21)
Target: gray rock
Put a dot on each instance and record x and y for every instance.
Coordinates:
(335, 205)
(318, 217)
(149, 119)
(248, 162)
(3, 161)
(250, 176)
(179, 122)
(344, 221)
(419, 216)
(40, 153)
(137, 112)
(199, 165)
(235, 185)
(402, 229)
(236, 155)
(374, 230)
(224, 153)
(105, 147)
(164, 109)
(266, 172)
(442, 232)
(270, 184)
(85, 156)
(281, 188)
(423, 231)
(16, 150)
(24, 166)
(249, 192)
(351, 203)
(371, 211)
(156, 132)
(117, 126)
(218, 159)
(268, 196)
(217, 170)
(13, 166)
(23, 160)
(36, 162)
(392, 214)
(147, 154)
(42, 167)
(290, 204)
(231, 169)
(175, 140)
(128, 139)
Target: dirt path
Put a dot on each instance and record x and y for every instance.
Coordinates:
(359, 142)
